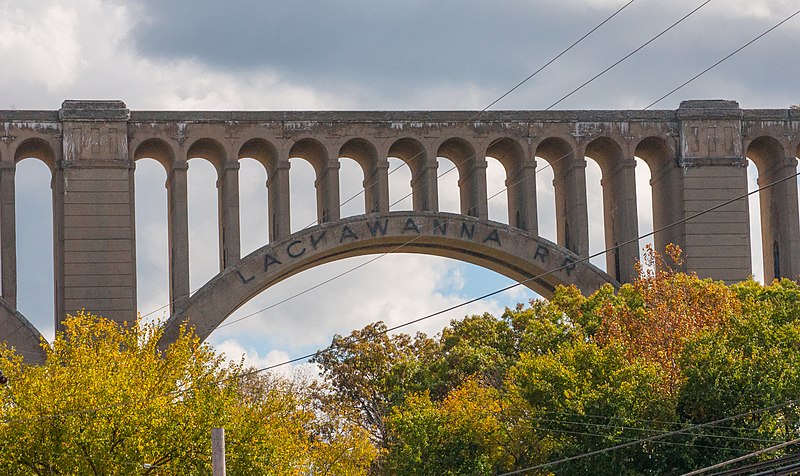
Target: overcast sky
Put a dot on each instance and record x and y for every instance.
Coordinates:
(363, 55)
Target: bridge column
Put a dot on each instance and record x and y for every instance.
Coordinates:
(572, 217)
(278, 192)
(474, 197)
(228, 202)
(621, 221)
(327, 184)
(667, 193)
(178, 229)
(521, 189)
(8, 233)
(376, 188)
(718, 242)
(94, 213)
(425, 186)
(780, 233)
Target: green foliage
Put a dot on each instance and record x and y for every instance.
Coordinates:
(108, 401)
(457, 436)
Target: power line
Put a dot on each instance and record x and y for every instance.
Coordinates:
(742, 458)
(472, 118)
(629, 55)
(648, 439)
(546, 273)
(434, 314)
(723, 59)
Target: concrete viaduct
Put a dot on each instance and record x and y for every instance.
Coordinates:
(697, 156)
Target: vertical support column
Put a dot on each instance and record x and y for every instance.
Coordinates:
(327, 185)
(8, 232)
(472, 187)
(425, 186)
(228, 202)
(780, 229)
(572, 219)
(521, 189)
(178, 229)
(621, 221)
(718, 242)
(667, 192)
(278, 193)
(94, 213)
(376, 188)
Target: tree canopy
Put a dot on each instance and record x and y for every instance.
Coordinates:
(554, 380)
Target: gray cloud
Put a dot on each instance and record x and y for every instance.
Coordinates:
(388, 54)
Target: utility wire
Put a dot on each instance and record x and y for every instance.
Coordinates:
(648, 439)
(701, 73)
(546, 273)
(502, 96)
(628, 55)
(472, 118)
(297, 359)
(179, 392)
(742, 458)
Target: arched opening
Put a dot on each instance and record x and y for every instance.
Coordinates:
(666, 185)
(619, 210)
(205, 159)
(569, 187)
(400, 191)
(754, 212)
(301, 194)
(597, 216)
(447, 181)
(326, 182)
(644, 203)
(470, 177)
(152, 238)
(422, 176)
(351, 187)
(496, 188)
(512, 188)
(776, 209)
(277, 186)
(253, 204)
(34, 234)
(546, 200)
(366, 185)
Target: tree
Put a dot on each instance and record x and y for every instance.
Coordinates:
(652, 317)
(457, 436)
(108, 401)
(752, 362)
(583, 397)
(371, 371)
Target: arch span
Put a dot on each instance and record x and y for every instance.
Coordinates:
(506, 250)
(14, 328)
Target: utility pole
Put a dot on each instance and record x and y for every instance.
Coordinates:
(218, 451)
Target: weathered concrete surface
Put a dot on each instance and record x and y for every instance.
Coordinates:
(696, 155)
(537, 263)
(20, 334)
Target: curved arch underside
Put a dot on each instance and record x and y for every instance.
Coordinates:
(539, 263)
(26, 338)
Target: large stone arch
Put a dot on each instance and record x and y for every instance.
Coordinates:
(519, 255)
(26, 338)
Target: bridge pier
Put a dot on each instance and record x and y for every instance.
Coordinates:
(94, 213)
(717, 243)
(8, 233)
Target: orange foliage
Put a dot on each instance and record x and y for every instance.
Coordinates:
(652, 317)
